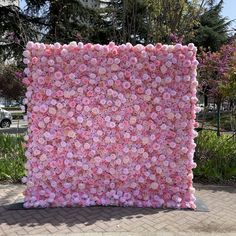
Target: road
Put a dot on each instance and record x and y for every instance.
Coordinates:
(17, 127)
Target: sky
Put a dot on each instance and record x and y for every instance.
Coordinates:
(229, 9)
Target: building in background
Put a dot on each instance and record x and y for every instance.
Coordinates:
(9, 2)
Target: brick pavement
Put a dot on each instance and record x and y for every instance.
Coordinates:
(116, 221)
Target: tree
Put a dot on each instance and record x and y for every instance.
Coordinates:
(16, 29)
(167, 17)
(214, 74)
(126, 20)
(47, 21)
(64, 21)
(152, 21)
(11, 85)
(212, 32)
(229, 89)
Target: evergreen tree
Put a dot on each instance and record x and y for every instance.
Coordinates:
(64, 21)
(48, 21)
(212, 32)
(16, 29)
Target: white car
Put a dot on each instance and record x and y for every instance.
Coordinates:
(5, 118)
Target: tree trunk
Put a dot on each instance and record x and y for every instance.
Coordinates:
(218, 117)
(231, 104)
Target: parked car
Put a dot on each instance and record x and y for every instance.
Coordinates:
(5, 118)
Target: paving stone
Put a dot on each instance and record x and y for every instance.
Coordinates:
(115, 221)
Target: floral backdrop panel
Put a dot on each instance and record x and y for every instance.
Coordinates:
(110, 125)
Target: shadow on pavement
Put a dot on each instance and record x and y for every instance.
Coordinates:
(13, 214)
(72, 216)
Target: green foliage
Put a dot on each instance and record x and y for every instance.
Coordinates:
(135, 21)
(166, 17)
(12, 158)
(16, 29)
(226, 124)
(215, 156)
(11, 85)
(64, 21)
(126, 20)
(228, 90)
(214, 75)
(212, 32)
(151, 21)
(47, 21)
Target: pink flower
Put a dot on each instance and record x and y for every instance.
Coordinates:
(126, 85)
(133, 60)
(154, 185)
(102, 71)
(39, 96)
(93, 61)
(168, 64)
(58, 75)
(166, 96)
(163, 69)
(82, 68)
(106, 118)
(51, 62)
(90, 93)
(48, 92)
(114, 67)
(64, 52)
(161, 89)
(72, 104)
(41, 80)
(59, 93)
(80, 119)
(34, 60)
(43, 108)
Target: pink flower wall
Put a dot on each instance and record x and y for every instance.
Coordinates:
(110, 125)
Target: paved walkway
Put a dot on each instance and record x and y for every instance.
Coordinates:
(115, 221)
